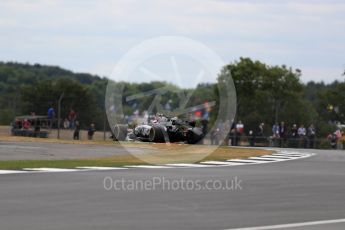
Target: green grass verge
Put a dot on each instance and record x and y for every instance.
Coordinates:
(20, 164)
(173, 153)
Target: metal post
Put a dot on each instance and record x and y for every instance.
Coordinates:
(104, 126)
(105, 116)
(59, 114)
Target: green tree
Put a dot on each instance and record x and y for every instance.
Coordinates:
(39, 97)
(266, 93)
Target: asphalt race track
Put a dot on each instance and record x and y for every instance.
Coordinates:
(282, 193)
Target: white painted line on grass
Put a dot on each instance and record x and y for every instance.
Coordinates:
(294, 225)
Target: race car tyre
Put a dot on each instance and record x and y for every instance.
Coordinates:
(194, 136)
(157, 134)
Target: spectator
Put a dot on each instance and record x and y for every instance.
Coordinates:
(311, 136)
(76, 131)
(37, 130)
(294, 131)
(26, 124)
(259, 134)
(51, 116)
(293, 142)
(215, 135)
(233, 134)
(204, 125)
(261, 130)
(225, 132)
(72, 116)
(333, 140)
(66, 124)
(240, 127)
(239, 132)
(251, 138)
(282, 133)
(91, 131)
(51, 113)
(275, 131)
(302, 133)
(339, 135)
(18, 124)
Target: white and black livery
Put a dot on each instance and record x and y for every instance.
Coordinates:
(160, 130)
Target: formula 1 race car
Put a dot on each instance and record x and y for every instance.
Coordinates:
(161, 130)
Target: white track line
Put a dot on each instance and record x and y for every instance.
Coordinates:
(294, 225)
(148, 166)
(265, 159)
(183, 165)
(51, 170)
(100, 168)
(225, 163)
(285, 151)
(280, 156)
(288, 155)
(245, 161)
(10, 172)
(290, 152)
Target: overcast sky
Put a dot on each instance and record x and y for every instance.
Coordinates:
(91, 36)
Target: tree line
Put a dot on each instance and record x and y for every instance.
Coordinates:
(265, 93)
